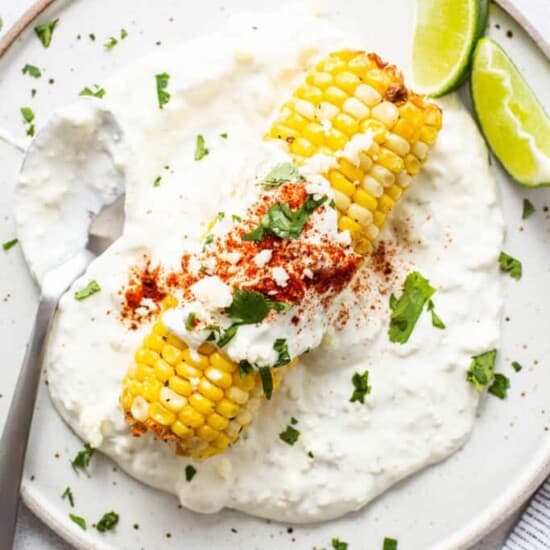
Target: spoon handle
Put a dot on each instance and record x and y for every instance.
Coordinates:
(16, 431)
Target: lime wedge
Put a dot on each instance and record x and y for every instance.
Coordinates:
(513, 121)
(444, 39)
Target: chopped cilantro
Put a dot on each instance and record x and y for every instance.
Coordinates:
(190, 321)
(200, 149)
(236, 218)
(267, 381)
(310, 454)
(33, 92)
(45, 32)
(249, 307)
(361, 384)
(406, 310)
(163, 96)
(281, 347)
(68, 494)
(227, 335)
(481, 369)
(209, 239)
(9, 244)
(31, 70)
(82, 460)
(223, 135)
(436, 320)
(98, 92)
(280, 220)
(282, 173)
(290, 435)
(528, 209)
(221, 215)
(190, 472)
(91, 36)
(81, 522)
(389, 544)
(123, 34)
(516, 366)
(510, 265)
(27, 113)
(111, 43)
(500, 386)
(91, 288)
(293, 421)
(30, 130)
(156, 183)
(332, 203)
(338, 544)
(107, 522)
(245, 368)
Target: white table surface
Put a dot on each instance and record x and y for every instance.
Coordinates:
(32, 534)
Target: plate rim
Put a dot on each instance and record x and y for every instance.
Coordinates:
(531, 477)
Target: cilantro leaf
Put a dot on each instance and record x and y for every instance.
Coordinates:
(9, 244)
(163, 96)
(283, 222)
(98, 92)
(200, 149)
(481, 369)
(528, 209)
(82, 460)
(516, 366)
(157, 181)
(27, 113)
(107, 522)
(290, 435)
(123, 34)
(282, 173)
(500, 386)
(91, 288)
(361, 384)
(81, 522)
(190, 472)
(69, 495)
(245, 368)
(389, 544)
(436, 320)
(293, 421)
(281, 347)
(248, 307)
(267, 381)
(45, 32)
(31, 70)
(407, 309)
(111, 43)
(223, 135)
(510, 265)
(338, 544)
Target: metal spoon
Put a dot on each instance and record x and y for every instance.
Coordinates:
(53, 284)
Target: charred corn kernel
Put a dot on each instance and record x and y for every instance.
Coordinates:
(195, 359)
(175, 342)
(207, 349)
(358, 93)
(180, 385)
(222, 363)
(161, 415)
(209, 390)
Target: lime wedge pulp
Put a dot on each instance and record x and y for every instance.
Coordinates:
(445, 36)
(513, 121)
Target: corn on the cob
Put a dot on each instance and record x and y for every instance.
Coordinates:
(200, 400)
(346, 94)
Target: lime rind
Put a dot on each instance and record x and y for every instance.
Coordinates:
(513, 121)
(432, 34)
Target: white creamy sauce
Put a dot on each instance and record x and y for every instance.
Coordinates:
(420, 410)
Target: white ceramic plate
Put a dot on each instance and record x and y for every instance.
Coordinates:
(449, 505)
